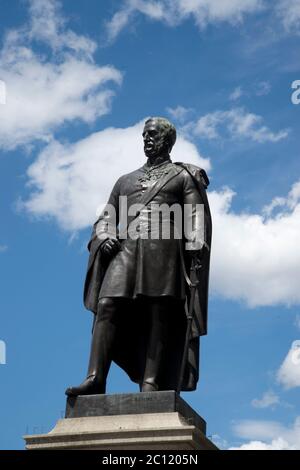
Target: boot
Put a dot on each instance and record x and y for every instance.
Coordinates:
(101, 350)
(147, 386)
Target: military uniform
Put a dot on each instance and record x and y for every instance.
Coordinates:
(149, 265)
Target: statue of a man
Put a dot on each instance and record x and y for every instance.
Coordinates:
(137, 282)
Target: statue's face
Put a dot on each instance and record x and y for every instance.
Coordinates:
(154, 140)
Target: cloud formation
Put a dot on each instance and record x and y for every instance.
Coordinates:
(236, 123)
(237, 93)
(289, 13)
(46, 90)
(47, 24)
(286, 13)
(255, 257)
(268, 435)
(261, 88)
(180, 113)
(269, 399)
(297, 321)
(173, 12)
(288, 374)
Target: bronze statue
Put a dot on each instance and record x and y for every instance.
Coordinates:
(137, 282)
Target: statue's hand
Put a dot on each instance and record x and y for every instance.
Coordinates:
(110, 247)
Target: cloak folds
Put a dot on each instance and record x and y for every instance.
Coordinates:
(129, 352)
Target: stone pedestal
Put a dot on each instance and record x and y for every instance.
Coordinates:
(146, 421)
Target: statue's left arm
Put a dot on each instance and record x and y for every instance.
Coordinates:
(198, 240)
(196, 211)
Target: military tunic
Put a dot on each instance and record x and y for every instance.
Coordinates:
(150, 260)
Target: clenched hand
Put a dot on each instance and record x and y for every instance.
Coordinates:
(110, 247)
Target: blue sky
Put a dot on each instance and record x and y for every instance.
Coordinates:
(79, 83)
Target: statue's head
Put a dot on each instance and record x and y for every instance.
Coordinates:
(159, 136)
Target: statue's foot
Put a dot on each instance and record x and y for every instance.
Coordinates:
(90, 386)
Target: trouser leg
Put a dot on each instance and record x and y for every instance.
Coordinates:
(101, 349)
(104, 332)
(156, 344)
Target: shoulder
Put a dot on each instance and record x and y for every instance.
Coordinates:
(127, 176)
(195, 172)
(125, 181)
(132, 174)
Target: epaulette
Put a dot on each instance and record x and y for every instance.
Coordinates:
(195, 171)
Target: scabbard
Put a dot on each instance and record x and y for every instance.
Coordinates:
(193, 286)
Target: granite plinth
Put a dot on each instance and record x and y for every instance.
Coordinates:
(146, 421)
(133, 403)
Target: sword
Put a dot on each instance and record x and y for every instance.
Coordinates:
(193, 283)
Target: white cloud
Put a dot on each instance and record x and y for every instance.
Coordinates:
(219, 441)
(45, 91)
(152, 9)
(262, 88)
(236, 94)
(297, 321)
(289, 13)
(173, 12)
(2, 92)
(268, 399)
(47, 24)
(206, 126)
(118, 22)
(235, 123)
(268, 435)
(180, 113)
(256, 258)
(275, 444)
(289, 372)
(203, 12)
(70, 181)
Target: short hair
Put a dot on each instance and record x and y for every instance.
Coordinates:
(168, 129)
